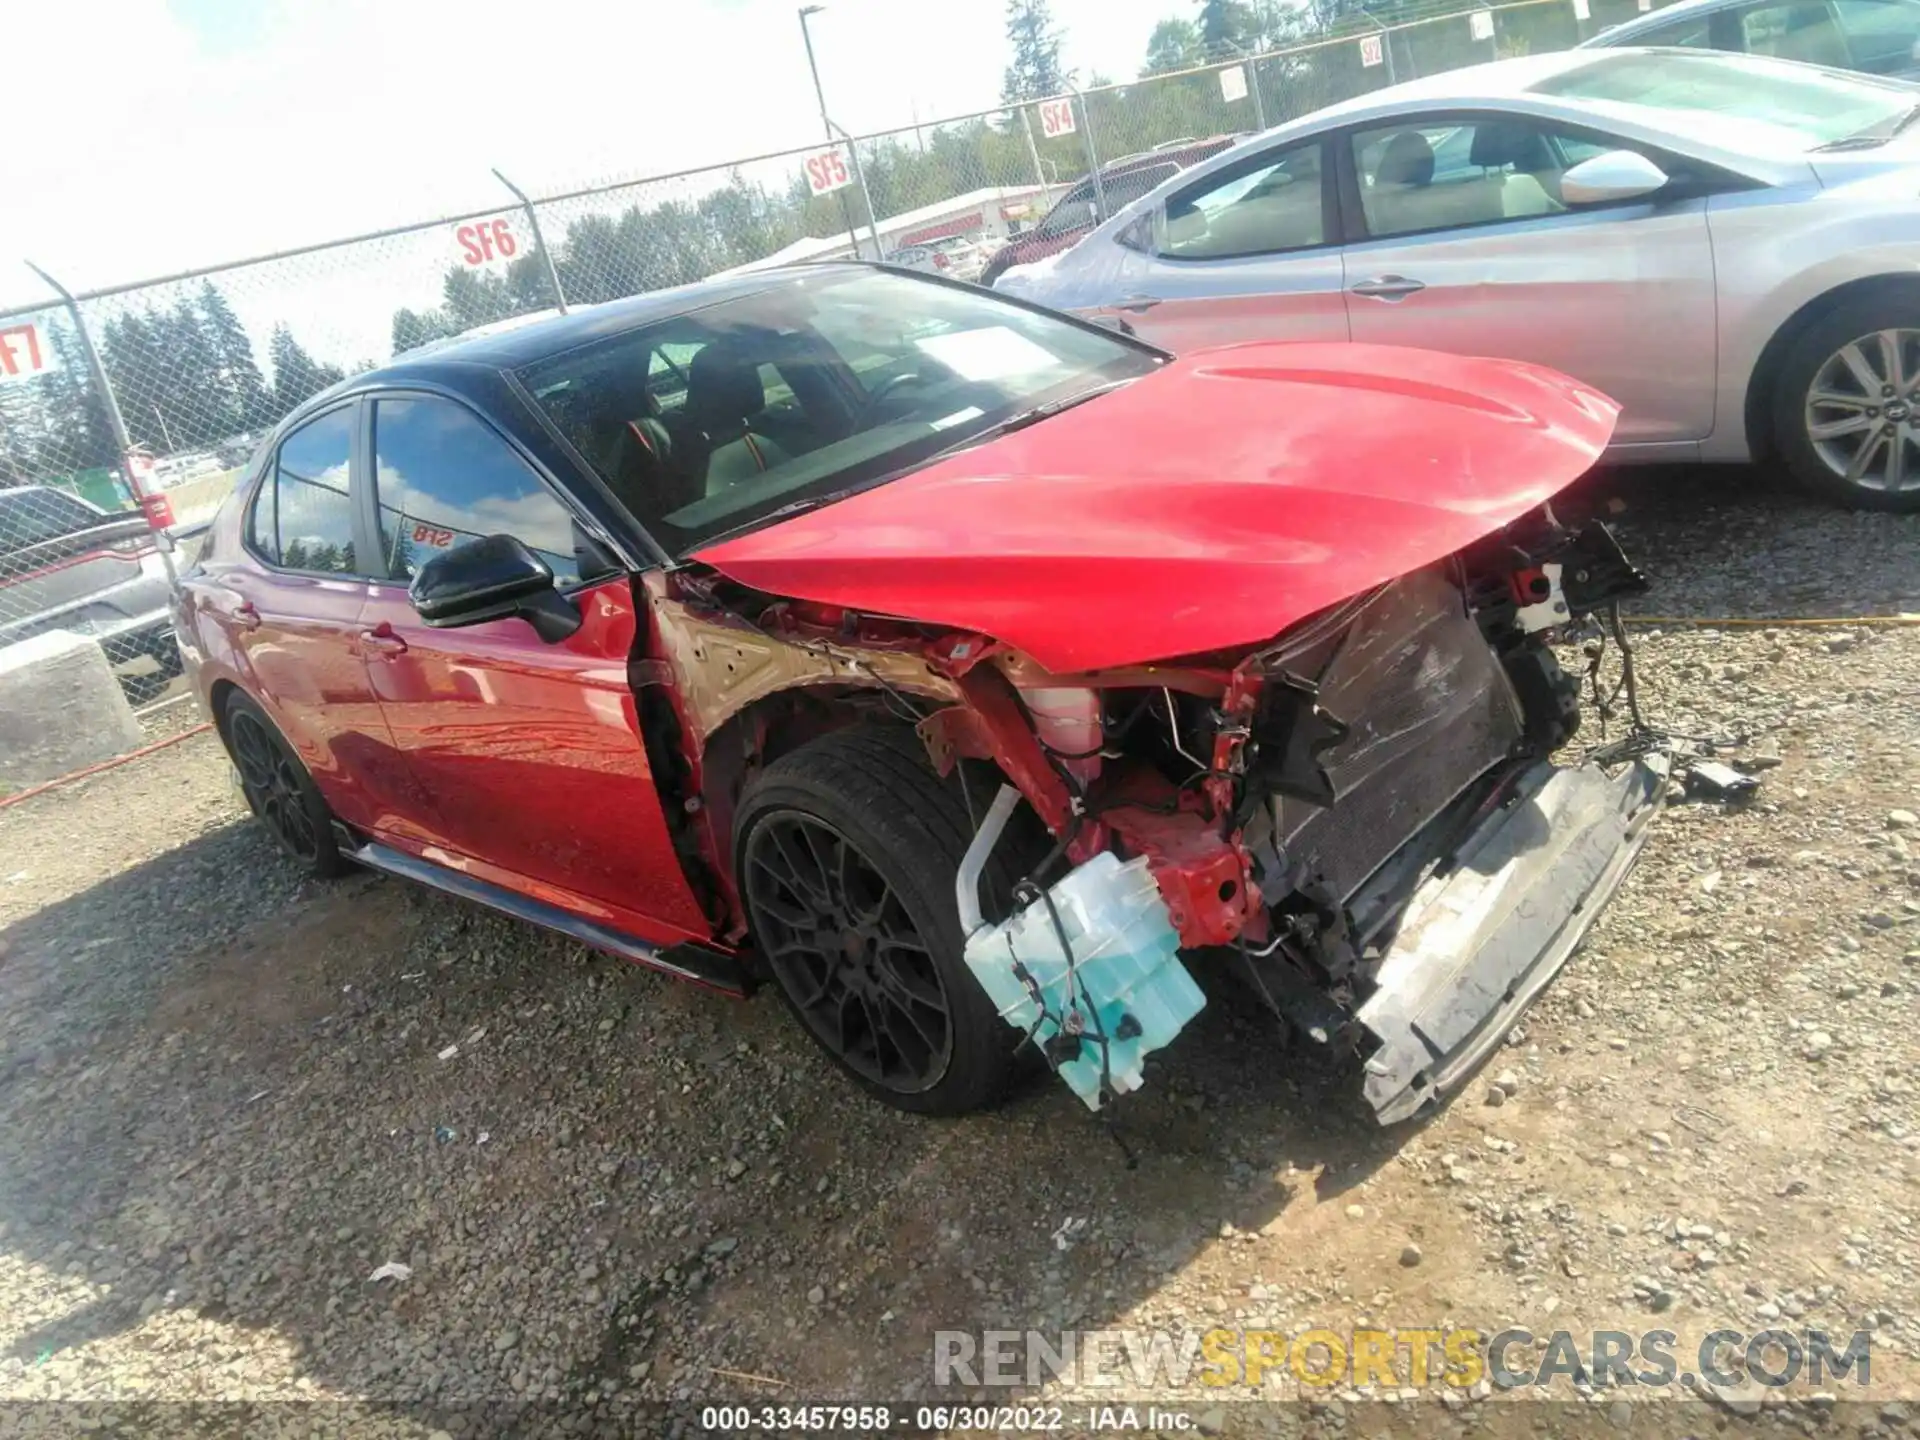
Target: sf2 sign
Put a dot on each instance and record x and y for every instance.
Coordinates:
(24, 352)
(1056, 117)
(1371, 53)
(827, 171)
(485, 240)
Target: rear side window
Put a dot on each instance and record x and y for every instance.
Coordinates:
(444, 477)
(1123, 190)
(28, 517)
(1805, 30)
(1696, 34)
(1883, 35)
(1271, 204)
(302, 515)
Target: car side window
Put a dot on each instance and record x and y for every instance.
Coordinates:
(1075, 212)
(1445, 174)
(1261, 207)
(1883, 35)
(444, 477)
(302, 515)
(1123, 190)
(1696, 34)
(1803, 30)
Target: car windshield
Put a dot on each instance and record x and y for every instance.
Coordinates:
(28, 517)
(1803, 107)
(799, 393)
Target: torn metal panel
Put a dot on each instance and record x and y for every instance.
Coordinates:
(719, 664)
(1481, 938)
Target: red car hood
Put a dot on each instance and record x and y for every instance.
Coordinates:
(1210, 504)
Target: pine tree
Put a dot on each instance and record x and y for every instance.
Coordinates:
(1035, 71)
(1225, 25)
(296, 375)
(1174, 45)
(199, 405)
(253, 404)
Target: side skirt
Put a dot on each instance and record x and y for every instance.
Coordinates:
(712, 968)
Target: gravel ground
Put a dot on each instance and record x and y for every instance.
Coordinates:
(229, 1096)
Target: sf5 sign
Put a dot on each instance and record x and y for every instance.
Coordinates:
(1056, 117)
(827, 171)
(485, 240)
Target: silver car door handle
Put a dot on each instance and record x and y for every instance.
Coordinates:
(1138, 304)
(1388, 287)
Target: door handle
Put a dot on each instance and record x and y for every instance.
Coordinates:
(382, 641)
(1388, 287)
(1138, 304)
(245, 616)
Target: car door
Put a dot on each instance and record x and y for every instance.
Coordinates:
(1249, 252)
(290, 611)
(1459, 240)
(530, 752)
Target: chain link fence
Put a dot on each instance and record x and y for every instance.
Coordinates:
(189, 373)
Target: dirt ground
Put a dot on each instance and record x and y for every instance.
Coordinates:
(227, 1097)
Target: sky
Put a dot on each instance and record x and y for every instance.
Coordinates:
(152, 136)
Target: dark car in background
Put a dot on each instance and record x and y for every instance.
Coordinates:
(66, 564)
(1074, 215)
(1877, 37)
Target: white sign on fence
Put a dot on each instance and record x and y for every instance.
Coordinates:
(1370, 52)
(1233, 83)
(1056, 117)
(1582, 10)
(1481, 24)
(486, 240)
(827, 171)
(24, 352)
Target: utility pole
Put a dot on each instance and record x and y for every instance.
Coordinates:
(820, 97)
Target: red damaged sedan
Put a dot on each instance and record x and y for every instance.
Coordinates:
(977, 676)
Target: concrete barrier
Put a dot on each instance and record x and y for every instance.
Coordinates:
(60, 709)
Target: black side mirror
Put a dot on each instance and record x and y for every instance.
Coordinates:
(490, 579)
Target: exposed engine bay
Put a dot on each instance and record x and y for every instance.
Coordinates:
(1360, 818)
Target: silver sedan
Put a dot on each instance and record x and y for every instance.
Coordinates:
(1728, 246)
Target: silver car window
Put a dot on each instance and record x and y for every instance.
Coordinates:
(1803, 30)
(1442, 174)
(1273, 207)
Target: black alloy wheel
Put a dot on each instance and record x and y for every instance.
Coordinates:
(279, 790)
(847, 953)
(845, 853)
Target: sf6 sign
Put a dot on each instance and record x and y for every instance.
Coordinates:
(1056, 118)
(485, 240)
(827, 171)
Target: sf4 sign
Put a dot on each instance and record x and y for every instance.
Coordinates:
(1056, 117)
(1370, 52)
(485, 240)
(827, 171)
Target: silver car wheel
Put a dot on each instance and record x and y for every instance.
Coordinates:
(1863, 411)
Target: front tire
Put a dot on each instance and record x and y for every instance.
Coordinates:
(279, 790)
(845, 852)
(1846, 405)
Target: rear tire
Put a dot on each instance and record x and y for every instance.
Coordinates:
(1846, 403)
(846, 851)
(279, 790)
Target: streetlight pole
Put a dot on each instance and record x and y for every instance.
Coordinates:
(820, 97)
